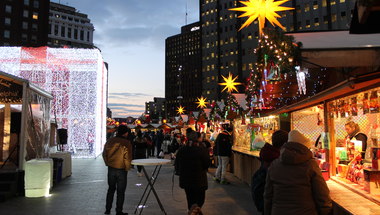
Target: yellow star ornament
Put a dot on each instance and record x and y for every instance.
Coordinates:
(230, 83)
(181, 110)
(261, 10)
(201, 102)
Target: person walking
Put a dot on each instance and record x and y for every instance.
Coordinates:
(223, 150)
(140, 148)
(294, 183)
(268, 153)
(117, 155)
(191, 165)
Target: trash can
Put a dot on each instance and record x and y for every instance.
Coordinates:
(57, 170)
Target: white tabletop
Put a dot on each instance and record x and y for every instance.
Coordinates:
(150, 162)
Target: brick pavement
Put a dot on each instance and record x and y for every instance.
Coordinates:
(84, 193)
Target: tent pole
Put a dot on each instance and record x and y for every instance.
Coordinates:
(23, 126)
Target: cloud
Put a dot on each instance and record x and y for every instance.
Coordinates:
(114, 105)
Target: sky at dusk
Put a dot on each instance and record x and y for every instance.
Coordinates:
(131, 35)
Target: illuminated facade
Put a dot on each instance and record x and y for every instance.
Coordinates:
(183, 76)
(77, 80)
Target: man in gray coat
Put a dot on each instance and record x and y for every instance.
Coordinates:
(294, 184)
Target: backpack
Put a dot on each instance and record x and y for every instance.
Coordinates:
(258, 187)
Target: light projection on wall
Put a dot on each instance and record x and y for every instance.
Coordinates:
(77, 79)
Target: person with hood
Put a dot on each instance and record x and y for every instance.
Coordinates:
(191, 165)
(117, 155)
(268, 153)
(294, 183)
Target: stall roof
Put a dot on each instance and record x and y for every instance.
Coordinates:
(336, 40)
(20, 81)
(344, 88)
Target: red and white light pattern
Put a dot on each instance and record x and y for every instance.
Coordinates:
(77, 78)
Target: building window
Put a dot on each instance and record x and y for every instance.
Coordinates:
(76, 34)
(298, 9)
(333, 17)
(36, 4)
(63, 31)
(7, 21)
(316, 21)
(69, 32)
(343, 14)
(56, 30)
(8, 9)
(315, 5)
(324, 3)
(342, 1)
(7, 34)
(325, 20)
(34, 39)
(34, 27)
(307, 23)
(26, 2)
(81, 35)
(307, 7)
(35, 15)
(88, 36)
(24, 25)
(25, 13)
(332, 2)
(24, 37)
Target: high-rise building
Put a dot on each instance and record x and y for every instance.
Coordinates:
(322, 15)
(183, 76)
(24, 22)
(69, 28)
(156, 109)
(224, 49)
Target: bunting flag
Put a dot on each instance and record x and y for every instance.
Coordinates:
(196, 114)
(240, 98)
(220, 104)
(184, 117)
(176, 118)
(207, 112)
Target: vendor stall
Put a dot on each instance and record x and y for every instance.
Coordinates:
(24, 136)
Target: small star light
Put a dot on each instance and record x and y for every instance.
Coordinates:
(261, 10)
(230, 83)
(201, 102)
(181, 110)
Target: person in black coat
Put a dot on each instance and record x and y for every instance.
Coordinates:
(191, 165)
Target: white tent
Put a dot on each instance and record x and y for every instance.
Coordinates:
(32, 140)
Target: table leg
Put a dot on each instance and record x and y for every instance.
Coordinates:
(151, 181)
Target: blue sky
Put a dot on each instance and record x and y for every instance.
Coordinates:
(131, 35)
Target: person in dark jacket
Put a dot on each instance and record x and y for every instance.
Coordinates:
(268, 153)
(140, 148)
(191, 165)
(223, 150)
(117, 155)
(294, 183)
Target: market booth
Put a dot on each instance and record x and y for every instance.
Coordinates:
(25, 123)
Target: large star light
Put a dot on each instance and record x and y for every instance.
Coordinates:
(261, 10)
(230, 83)
(201, 102)
(181, 110)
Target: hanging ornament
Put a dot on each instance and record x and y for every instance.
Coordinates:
(301, 79)
(229, 83)
(181, 110)
(261, 10)
(201, 102)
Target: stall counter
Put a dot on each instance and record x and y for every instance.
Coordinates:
(245, 163)
(349, 202)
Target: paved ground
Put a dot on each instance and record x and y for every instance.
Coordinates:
(84, 193)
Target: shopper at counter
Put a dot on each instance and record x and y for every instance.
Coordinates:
(353, 133)
(294, 183)
(223, 149)
(268, 153)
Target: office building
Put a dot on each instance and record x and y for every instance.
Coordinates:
(322, 15)
(24, 22)
(69, 28)
(156, 109)
(183, 76)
